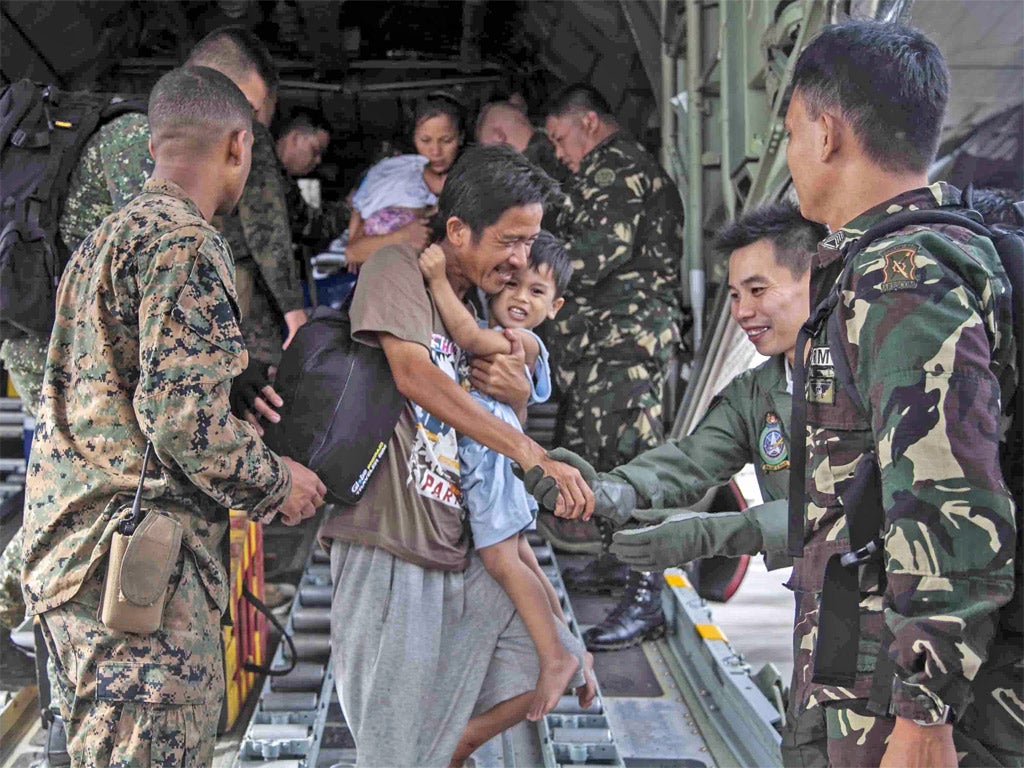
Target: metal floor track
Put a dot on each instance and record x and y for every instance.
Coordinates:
(298, 723)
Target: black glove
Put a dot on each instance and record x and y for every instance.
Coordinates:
(248, 386)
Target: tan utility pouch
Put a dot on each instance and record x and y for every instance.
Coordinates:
(138, 571)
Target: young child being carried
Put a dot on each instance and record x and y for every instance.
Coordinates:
(498, 506)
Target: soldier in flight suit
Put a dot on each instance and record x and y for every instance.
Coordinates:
(770, 250)
(144, 348)
(612, 341)
(112, 170)
(923, 320)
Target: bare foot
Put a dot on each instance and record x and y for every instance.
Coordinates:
(586, 692)
(552, 681)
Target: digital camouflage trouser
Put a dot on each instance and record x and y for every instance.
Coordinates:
(139, 700)
(24, 359)
(989, 735)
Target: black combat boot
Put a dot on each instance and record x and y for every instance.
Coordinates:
(636, 618)
(604, 575)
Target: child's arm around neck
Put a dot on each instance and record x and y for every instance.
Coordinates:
(460, 322)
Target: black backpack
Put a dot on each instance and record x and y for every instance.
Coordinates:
(340, 408)
(838, 629)
(42, 133)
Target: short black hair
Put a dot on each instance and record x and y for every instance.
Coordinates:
(236, 52)
(997, 206)
(794, 239)
(440, 103)
(549, 251)
(304, 122)
(888, 80)
(197, 102)
(577, 99)
(485, 182)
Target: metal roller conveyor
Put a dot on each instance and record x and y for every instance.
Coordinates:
(288, 702)
(316, 619)
(315, 595)
(312, 647)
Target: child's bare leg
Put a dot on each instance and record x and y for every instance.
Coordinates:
(527, 556)
(586, 692)
(485, 726)
(557, 665)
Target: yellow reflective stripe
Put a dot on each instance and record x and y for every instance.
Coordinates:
(676, 580)
(710, 632)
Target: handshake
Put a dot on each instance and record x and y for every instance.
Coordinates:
(680, 535)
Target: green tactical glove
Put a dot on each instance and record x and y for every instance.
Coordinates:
(695, 535)
(613, 499)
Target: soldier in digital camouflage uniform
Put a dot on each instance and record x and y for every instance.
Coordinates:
(612, 341)
(924, 321)
(770, 250)
(259, 232)
(144, 348)
(112, 169)
(114, 165)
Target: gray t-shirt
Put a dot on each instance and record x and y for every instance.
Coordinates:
(413, 505)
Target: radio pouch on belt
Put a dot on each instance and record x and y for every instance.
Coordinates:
(142, 557)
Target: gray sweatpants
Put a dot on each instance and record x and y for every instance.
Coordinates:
(417, 652)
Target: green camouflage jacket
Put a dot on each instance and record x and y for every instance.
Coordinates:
(145, 345)
(925, 322)
(111, 170)
(259, 230)
(625, 238)
(746, 422)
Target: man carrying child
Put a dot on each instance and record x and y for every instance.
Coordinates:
(428, 647)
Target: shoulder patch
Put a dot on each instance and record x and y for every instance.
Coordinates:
(604, 177)
(771, 445)
(899, 272)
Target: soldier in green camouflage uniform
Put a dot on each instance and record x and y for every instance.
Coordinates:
(621, 317)
(924, 321)
(144, 348)
(610, 346)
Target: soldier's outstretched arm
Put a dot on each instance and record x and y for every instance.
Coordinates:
(686, 536)
(675, 474)
(190, 348)
(922, 363)
(678, 473)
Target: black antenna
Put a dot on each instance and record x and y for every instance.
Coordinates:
(127, 527)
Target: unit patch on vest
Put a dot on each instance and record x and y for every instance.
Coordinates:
(772, 444)
(605, 177)
(821, 377)
(899, 272)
